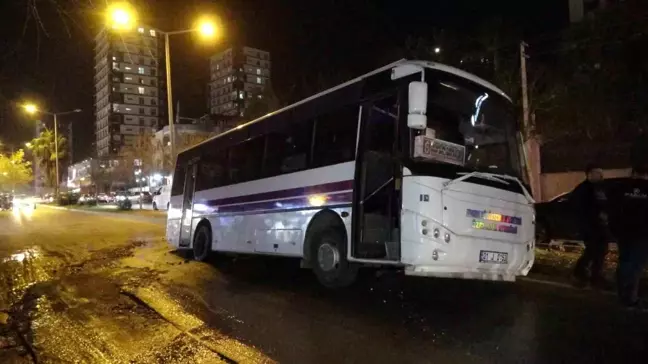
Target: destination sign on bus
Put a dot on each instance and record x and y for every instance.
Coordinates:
(439, 150)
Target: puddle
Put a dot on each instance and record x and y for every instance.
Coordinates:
(19, 271)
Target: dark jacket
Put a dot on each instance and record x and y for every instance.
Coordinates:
(627, 208)
(587, 202)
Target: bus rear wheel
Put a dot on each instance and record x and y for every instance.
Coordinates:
(329, 260)
(202, 243)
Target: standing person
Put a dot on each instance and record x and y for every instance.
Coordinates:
(628, 216)
(588, 201)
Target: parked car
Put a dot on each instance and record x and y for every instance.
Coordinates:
(123, 200)
(134, 197)
(146, 197)
(161, 198)
(89, 200)
(48, 198)
(103, 198)
(556, 218)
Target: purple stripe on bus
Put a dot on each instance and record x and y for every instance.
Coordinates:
(275, 195)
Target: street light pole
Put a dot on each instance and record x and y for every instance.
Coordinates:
(167, 57)
(56, 156)
(33, 109)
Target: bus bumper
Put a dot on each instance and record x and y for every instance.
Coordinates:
(460, 260)
(452, 272)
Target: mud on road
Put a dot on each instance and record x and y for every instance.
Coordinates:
(57, 306)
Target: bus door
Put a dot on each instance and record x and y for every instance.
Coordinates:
(187, 203)
(376, 222)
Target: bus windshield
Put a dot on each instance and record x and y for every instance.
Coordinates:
(469, 126)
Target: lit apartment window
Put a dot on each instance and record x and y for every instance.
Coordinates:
(229, 79)
(128, 109)
(127, 68)
(259, 80)
(128, 78)
(140, 30)
(152, 32)
(140, 90)
(114, 58)
(258, 71)
(140, 70)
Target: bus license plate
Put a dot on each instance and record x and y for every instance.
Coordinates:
(486, 256)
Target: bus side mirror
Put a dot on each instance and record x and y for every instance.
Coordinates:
(416, 118)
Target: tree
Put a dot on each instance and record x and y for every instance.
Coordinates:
(138, 156)
(14, 170)
(43, 148)
(163, 161)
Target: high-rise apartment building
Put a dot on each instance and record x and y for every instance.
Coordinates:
(129, 84)
(237, 75)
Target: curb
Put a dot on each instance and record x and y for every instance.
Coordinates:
(151, 220)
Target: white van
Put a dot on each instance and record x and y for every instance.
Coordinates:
(161, 198)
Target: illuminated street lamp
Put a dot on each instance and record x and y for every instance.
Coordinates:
(122, 16)
(32, 109)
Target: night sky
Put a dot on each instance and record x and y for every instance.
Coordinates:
(51, 60)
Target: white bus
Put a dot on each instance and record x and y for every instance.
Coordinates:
(414, 166)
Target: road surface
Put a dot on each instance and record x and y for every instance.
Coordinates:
(84, 287)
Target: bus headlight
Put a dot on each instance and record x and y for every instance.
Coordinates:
(446, 237)
(436, 233)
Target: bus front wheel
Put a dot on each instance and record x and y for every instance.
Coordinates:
(329, 260)
(202, 243)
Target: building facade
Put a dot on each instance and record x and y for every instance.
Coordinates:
(129, 87)
(237, 75)
(187, 135)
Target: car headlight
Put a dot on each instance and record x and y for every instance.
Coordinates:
(121, 198)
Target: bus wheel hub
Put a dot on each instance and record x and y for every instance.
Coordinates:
(328, 257)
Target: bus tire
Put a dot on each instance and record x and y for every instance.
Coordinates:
(202, 243)
(329, 259)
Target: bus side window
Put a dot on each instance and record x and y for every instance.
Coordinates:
(288, 151)
(335, 137)
(245, 160)
(210, 170)
(177, 188)
(380, 130)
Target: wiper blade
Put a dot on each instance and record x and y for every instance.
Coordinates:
(501, 178)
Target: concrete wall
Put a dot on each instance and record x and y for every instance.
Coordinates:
(554, 184)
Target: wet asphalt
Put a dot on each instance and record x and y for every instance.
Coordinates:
(136, 301)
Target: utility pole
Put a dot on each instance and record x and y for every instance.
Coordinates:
(525, 90)
(530, 145)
